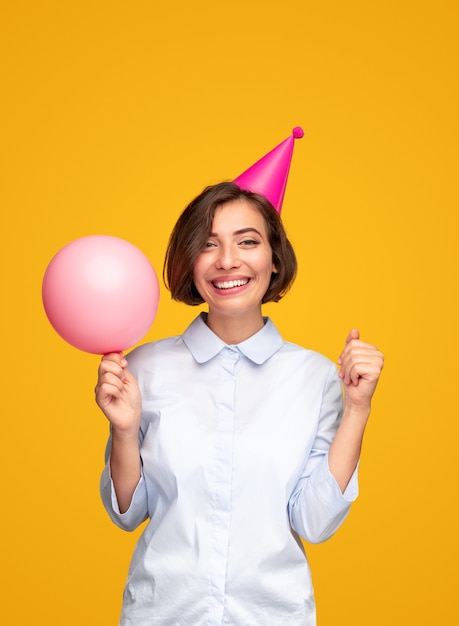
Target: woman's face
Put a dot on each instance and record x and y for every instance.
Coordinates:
(233, 271)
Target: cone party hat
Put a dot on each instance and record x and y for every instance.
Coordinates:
(269, 175)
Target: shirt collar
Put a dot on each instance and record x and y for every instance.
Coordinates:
(204, 344)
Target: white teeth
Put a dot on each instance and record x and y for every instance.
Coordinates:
(229, 284)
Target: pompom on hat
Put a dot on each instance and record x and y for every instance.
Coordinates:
(269, 175)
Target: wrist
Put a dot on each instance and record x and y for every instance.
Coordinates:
(125, 435)
(356, 413)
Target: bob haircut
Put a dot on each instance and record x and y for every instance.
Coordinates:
(192, 230)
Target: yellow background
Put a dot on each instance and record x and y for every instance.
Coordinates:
(113, 116)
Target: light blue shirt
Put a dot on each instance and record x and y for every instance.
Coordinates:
(234, 443)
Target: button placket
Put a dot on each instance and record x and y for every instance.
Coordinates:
(221, 519)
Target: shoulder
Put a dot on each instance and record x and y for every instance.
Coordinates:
(294, 355)
(309, 366)
(147, 354)
(305, 354)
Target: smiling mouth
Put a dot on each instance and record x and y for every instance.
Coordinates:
(230, 284)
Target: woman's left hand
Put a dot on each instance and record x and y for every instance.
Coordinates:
(361, 365)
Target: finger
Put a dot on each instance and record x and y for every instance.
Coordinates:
(367, 369)
(112, 378)
(362, 354)
(115, 366)
(109, 382)
(356, 350)
(353, 334)
(107, 392)
(114, 357)
(361, 361)
(351, 376)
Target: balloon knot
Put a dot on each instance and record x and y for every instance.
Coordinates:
(298, 132)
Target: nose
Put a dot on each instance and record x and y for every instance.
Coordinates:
(228, 257)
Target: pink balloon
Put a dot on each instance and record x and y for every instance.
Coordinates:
(100, 294)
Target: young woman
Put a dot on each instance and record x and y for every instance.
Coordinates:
(233, 442)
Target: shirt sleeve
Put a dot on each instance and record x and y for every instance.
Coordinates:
(317, 507)
(138, 508)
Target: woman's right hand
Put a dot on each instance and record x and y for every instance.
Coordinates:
(118, 394)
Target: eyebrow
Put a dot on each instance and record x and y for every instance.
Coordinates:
(241, 231)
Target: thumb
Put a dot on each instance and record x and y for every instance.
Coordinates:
(353, 334)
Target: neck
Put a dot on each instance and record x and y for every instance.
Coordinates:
(234, 330)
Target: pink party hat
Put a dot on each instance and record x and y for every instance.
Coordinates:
(268, 176)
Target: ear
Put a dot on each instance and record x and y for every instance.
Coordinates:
(275, 270)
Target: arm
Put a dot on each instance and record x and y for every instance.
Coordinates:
(317, 506)
(118, 396)
(361, 365)
(323, 495)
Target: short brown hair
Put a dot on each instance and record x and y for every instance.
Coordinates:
(192, 229)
